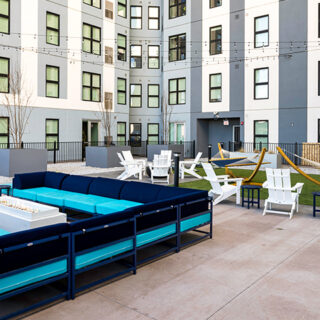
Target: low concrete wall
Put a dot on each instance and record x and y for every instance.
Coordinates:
(156, 149)
(13, 161)
(273, 158)
(104, 157)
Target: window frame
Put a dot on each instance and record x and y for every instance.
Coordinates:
(214, 88)
(52, 134)
(136, 143)
(214, 6)
(135, 95)
(153, 135)
(260, 32)
(52, 81)
(7, 135)
(136, 18)
(153, 96)
(260, 84)
(125, 7)
(52, 29)
(120, 47)
(152, 18)
(136, 57)
(255, 135)
(179, 4)
(91, 86)
(178, 48)
(91, 39)
(215, 41)
(122, 135)
(154, 57)
(92, 5)
(318, 130)
(7, 76)
(108, 55)
(7, 17)
(122, 91)
(177, 91)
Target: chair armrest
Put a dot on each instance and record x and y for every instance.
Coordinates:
(298, 187)
(226, 176)
(265, 185)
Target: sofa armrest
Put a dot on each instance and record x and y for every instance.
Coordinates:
(29, 180)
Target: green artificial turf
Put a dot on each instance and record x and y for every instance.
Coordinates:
(306, 196)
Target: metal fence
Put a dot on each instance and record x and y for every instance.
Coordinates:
(309, 151)
(76, 151)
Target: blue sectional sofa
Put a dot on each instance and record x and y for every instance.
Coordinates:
(126, 218)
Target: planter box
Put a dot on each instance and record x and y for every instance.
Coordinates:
(13, 161)
(273, 158)
(156, 149)
(104, 157)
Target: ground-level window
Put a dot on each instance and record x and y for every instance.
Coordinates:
(177, 132)
(153, 133)
(121, 133)
(52, 133)
(135, 134)
(4, 132)
(261, 134)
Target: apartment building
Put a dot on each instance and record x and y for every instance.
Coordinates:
(214, 70)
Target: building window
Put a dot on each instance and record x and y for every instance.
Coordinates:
(52, 81)
(4, 75)
(122, 91)
(153, 57)
(319, 130)
(261, 32)
(215, 87)
(122, 8)
(318, 78)
(52, 133)
(177, 8)
(261, 83)
(53, 29)
(4, 16)
(108, 55)
(4, 132)
(135, 95)
(121, 133)
(108, 99)
(154, 18)
(93, 3)
(153, 96)
(215, 3)
(136, 57)
(135, 134)
(109, 10)
(177, 47)
(215, 40)
(122, 47)
(177, 91)
(261, 134)
(176, 132)
(153, 133)
(91, 41)
(319, 20)
(91, 86)
(136, 17)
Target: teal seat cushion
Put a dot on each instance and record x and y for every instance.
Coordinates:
(194, 222)
(31, 276)
(115, 205)
(101, 254)
(3, 232)
(28, 194)
(52, 197)
(83, 202)
(150, 236)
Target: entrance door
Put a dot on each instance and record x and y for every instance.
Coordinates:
(236, 138)
(90, 132)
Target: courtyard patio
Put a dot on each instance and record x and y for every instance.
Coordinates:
(255, 267)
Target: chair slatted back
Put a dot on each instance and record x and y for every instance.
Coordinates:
(128, 156)
(120, 157)
(160, 166)
(196, 161)
(211, 175)
(168, 154)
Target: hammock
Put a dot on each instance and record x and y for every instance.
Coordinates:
(313, 163)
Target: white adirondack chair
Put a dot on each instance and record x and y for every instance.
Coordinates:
(168, 154)
(127, 155)
(160, 169)
(280, 191)
(190, 167)
(222, 191)
(130, 169)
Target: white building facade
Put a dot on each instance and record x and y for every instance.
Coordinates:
(211, 70)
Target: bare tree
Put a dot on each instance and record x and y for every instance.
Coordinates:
(17, 105)
(166, 118)
(105, 115)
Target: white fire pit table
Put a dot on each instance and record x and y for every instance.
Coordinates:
(18, 215)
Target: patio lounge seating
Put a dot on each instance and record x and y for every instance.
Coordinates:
(160, 169)
(131, 168)
(280, 191)
(127, 155)
(189, 167)
(222, 191)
